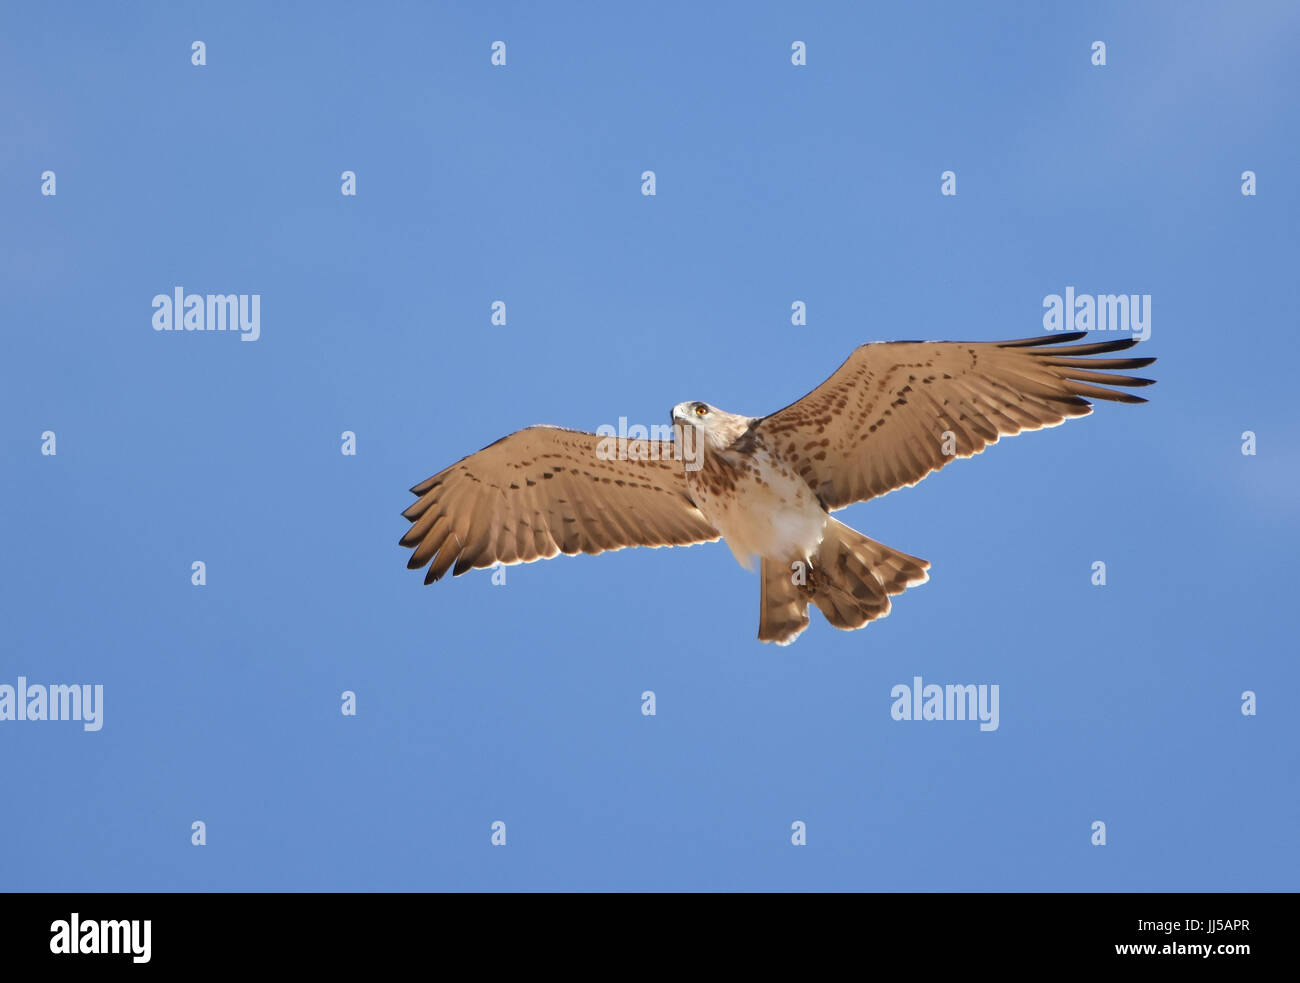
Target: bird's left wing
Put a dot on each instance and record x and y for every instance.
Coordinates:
(547, 490)
(895, 411)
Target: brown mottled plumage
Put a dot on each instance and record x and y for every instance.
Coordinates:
(890, 415)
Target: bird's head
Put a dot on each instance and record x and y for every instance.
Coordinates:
(714, 429)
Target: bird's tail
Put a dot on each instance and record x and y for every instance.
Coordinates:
(850, 580)
(853, 576)
(783, 606)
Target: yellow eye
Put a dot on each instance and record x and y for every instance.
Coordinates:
(701, 409)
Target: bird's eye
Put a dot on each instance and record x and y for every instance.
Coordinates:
(701, 409)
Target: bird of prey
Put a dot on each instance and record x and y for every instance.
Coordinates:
(887, 417)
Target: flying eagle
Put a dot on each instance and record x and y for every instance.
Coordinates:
(891, 414)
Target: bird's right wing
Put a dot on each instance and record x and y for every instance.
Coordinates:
(546, 490)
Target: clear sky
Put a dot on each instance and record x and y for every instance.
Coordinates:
(521, 703)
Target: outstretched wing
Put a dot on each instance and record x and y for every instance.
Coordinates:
(895, 411)
(547, 490)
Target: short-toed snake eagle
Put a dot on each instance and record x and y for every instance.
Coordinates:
(891, 414)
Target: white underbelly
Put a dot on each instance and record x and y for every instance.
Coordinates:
(780, 519)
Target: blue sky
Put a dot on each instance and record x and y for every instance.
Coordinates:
(521, 703)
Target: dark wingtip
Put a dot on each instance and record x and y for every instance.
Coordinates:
(1043, 339)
